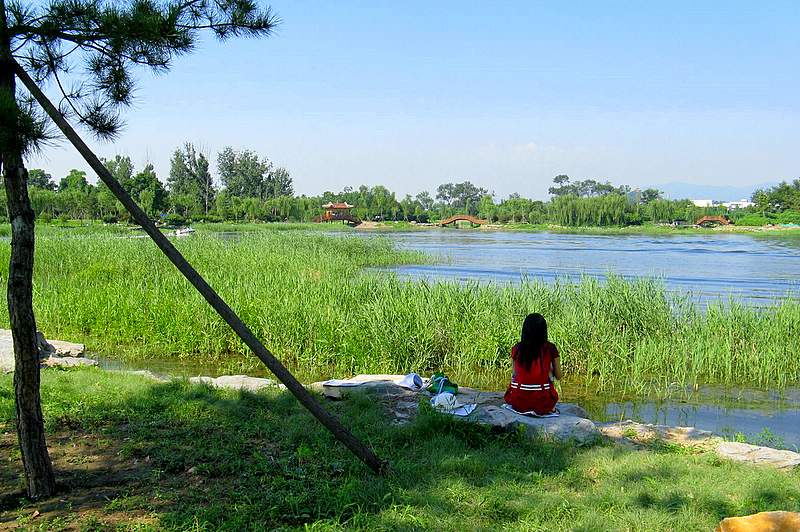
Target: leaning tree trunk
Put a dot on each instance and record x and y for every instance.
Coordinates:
(30, 425)
(330, 422)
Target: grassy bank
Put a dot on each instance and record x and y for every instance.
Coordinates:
(648, 229)
(130, 453)
(231, 227)
(306, 295)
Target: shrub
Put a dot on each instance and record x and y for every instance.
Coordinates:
(789, 217)
(175, 219)
(208, 218)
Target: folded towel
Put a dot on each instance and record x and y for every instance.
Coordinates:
(412, 381)
(341, 382)
(531, 413)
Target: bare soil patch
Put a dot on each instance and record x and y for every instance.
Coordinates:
(92, 475)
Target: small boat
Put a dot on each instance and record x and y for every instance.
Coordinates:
(184, 231)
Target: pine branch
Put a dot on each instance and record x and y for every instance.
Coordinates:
(112, 37)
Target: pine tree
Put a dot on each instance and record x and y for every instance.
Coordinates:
(109, 39)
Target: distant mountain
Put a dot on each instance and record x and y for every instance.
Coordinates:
(712, 192)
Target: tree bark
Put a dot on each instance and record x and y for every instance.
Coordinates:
(30, 424)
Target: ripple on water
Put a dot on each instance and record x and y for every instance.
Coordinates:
(754, 271)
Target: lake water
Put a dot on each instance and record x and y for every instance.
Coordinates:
(760, 416)
(755, 270)
(763, 417)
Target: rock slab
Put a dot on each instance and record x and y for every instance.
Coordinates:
(565, 427)
(67, 362)
(235, 382)
(402, 403)
(631, 431)
(380, 384)
(753, 454)
(51, 352)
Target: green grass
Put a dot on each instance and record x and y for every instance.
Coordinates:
(261, 462)
(307, 296)
(337, 227)
(233, 227)
(644, 229)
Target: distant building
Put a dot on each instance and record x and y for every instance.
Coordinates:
(337, 209)
(634, 197)
(337, 212)
(741, 204)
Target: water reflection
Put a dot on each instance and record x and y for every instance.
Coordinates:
(761, 416)
(760, 424)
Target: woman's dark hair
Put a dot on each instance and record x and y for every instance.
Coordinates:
(534, 335)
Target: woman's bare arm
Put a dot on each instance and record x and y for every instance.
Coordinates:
(557, 368)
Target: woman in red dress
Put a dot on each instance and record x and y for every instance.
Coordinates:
(535, 365)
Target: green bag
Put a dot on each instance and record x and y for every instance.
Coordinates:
(440, 383)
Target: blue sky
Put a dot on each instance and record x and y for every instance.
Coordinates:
(508, 95)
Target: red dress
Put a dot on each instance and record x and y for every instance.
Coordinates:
(533, 389)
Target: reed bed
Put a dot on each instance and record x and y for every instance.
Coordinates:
(308, 296)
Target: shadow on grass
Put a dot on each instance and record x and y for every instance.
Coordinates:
(177, 454)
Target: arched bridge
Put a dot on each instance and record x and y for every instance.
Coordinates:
(462, 218)
(712, 220)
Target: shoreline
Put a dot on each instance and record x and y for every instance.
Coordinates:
(133, 451)
(63, 355)
(94, 226)
(646, 230)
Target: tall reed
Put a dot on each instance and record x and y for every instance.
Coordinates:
(309, 298)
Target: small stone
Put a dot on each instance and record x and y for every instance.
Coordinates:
(67, 349)
(754, 454)
(67, 362)
(628, 430)
(235, 382)
(144, 373)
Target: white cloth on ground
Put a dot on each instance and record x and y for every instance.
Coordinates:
(412, 381)
(341, 382)
(447, 403)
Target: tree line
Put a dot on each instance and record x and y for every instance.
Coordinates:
(252, 188)
(248, 182)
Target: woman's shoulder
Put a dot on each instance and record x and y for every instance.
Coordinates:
(551, 348)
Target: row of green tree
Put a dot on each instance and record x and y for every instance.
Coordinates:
(248, 182)
(251, 188)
